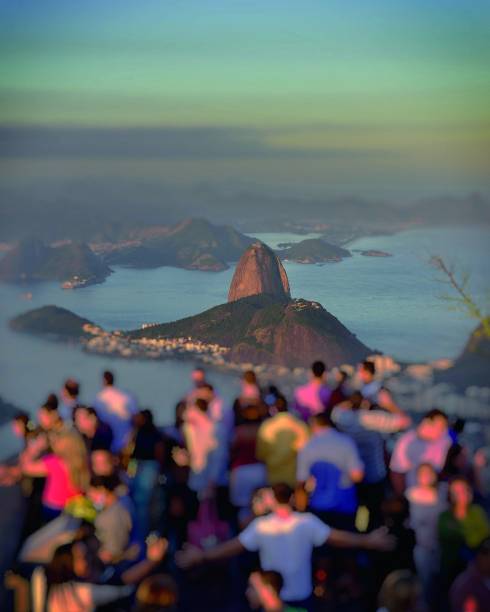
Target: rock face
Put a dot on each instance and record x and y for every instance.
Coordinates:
(259, 271)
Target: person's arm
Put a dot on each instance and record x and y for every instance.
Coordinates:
(385, 400)
(379, 539)
(32, 467)
(385, 422)
(191, 556)
(155, 553)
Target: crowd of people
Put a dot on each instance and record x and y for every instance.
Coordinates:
(333, 500)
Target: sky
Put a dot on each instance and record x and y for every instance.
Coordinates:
(388, 98)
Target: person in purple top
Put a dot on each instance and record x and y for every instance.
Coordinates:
(314, 397)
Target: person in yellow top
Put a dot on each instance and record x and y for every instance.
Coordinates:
(278, 441)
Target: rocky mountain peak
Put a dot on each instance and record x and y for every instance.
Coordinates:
(259, 271)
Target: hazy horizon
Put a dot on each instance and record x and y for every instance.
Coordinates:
(379, 100)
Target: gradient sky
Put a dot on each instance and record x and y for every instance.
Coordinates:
(383, 97)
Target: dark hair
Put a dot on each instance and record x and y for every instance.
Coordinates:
(110, 483)
(434, 414)
(323, 419)
(202, 404)
(157, 593)
(88, 409)
(281, 403)
(72, 387)
(318, 368)
(60, 570)
(356, 399)
(272, 579)
(52, 400)
(108, 378)
(22, 417)
(207, 386)
(369, 366)
(250, 377)
(50, 407)
(282, 493)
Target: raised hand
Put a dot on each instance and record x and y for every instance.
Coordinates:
(156, 549)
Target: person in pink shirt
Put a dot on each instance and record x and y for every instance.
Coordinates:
(314, 397)
(66, 472)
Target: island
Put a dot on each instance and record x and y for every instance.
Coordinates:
(313, 250)
(260, 324)
(73, 264)
(375, 253)
(194, 244)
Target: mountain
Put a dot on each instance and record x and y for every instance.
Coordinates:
(259, 271)
(472, 367)
(7, 411)
(193, 244)
(266, 329)
(259, 324)
(51, 321)
(32, 260)
(313, 250)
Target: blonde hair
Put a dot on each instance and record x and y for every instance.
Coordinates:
(70, 448)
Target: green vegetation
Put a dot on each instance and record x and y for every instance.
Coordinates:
(314, 250)
(461, 299)
(50, 320)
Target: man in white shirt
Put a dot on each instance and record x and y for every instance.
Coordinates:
(116, 408)
(285, 540)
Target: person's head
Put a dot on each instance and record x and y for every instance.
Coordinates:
(400, 592)
(156, 594)
(282, 493)
(460, 492)
(86, 420)
(48, 416)
(482, 558)
(321, 421)
(318, 370)
(367, 371)
(281, 404)
(356, 400)
(52, 400)
(20, 424)
(263, 591)
(201, 404)
(71, 389)
(108, 378)
(433, 426)
(144, 419)
(69, 563)
(70, 448)
(341, 376)
(198, 376)
(103, 462)
(204, 391)
(102, 490)
(426, 475)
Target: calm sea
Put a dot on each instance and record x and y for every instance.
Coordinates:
(391, 303)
